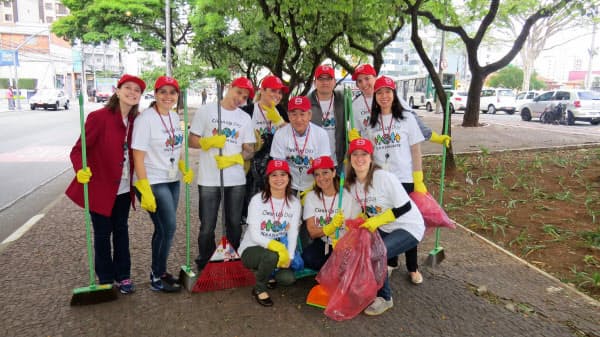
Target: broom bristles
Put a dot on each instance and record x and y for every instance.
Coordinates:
(94, 295)
(224, 275)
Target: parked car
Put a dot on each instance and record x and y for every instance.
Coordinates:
(49, 99)
(525, 97)
(582, 105)
(458, 100)
(497, 99)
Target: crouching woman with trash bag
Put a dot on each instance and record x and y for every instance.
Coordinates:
(273, 217)
(388, 207)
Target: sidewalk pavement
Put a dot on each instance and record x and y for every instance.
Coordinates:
(478, 290)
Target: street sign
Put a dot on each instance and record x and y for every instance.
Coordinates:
(7, 57)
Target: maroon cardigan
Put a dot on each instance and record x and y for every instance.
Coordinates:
(104, 135)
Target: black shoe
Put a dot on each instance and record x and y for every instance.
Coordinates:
(266, 302)
(272, 284)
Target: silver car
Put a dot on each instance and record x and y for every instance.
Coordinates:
(582, 105)
(49, 99)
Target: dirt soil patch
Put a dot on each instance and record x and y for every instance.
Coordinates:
(543, 206)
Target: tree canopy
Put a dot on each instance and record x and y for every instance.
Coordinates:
(512, 77)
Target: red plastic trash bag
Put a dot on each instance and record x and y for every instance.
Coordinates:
(433, 214)
(354, 272)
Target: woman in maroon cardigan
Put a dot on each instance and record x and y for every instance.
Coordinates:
(108, 148)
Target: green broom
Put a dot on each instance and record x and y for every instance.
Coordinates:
(187, 277)
(437, 255)
(93, 293)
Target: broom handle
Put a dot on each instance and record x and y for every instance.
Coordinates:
(443, 170)
(222, 188)
(187, 186)
(86, 202)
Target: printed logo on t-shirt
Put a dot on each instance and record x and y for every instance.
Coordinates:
(172, 142)
(373, 210)
(298, 160)
(266, 131)
(229, 133)
(391, 138)
(329, 123)
(273, 229)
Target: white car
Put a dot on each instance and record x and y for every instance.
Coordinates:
(525, 97)
(497, 99)
(49, 99)
(458, 100)
(582, 105)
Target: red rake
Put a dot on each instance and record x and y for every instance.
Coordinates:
(224, 271)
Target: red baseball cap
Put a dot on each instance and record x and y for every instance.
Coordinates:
(365, 69)
(274, 82)
(166, 80)
(324, 69)
(384, 82)
(244, 83)
(277, 164)
(130, 78)
(299, 102)
(361, 144)
(324, 162)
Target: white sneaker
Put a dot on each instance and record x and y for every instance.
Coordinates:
(379, 306)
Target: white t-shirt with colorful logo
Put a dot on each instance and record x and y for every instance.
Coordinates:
(299, 151)
(272, 220)
(324, 209)
(392, 143)
(236, 125)
(385, 193)
(161, 138)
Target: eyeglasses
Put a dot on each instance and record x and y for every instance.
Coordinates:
(167, 92)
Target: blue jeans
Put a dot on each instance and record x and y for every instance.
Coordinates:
(164, 219)
(396, 243)
(208, 209)
(112, 264)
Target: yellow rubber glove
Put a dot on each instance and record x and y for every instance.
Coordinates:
(188, 175)
(227, 161)
(353, 134)
(247, 164)
(334, 242)
(148, 201)
(259, 141)
(418, 181)
(304, 193)
(281, 250)
(273, 115)
(217, 141)
(336, 222)
(440, 139)
(84, 175)
(379, 220)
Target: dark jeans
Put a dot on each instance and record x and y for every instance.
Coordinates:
(165, 222)
(314, 254)
(112, 264)
(396, 243)
(264, 263)
(208, 209)
(410, 255)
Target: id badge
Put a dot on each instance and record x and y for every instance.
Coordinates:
(172, 173)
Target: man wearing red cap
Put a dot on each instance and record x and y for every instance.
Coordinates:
(300, 142)
(364, 75)
(328, 111)
(236, 143)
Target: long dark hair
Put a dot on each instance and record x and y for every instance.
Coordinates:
(397, 109)
(113, 105)
(266, 193)
(336, 186)
(351, 178)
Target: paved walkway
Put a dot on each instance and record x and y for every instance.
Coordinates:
(479, 290)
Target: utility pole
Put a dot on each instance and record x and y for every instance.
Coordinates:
(15, 59)
(592, 51)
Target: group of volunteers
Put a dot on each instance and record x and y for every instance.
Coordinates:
(280, 172)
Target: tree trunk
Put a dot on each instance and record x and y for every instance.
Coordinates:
(471, 117)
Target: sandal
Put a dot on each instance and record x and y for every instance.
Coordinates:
(416, 277)
(264, 301)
